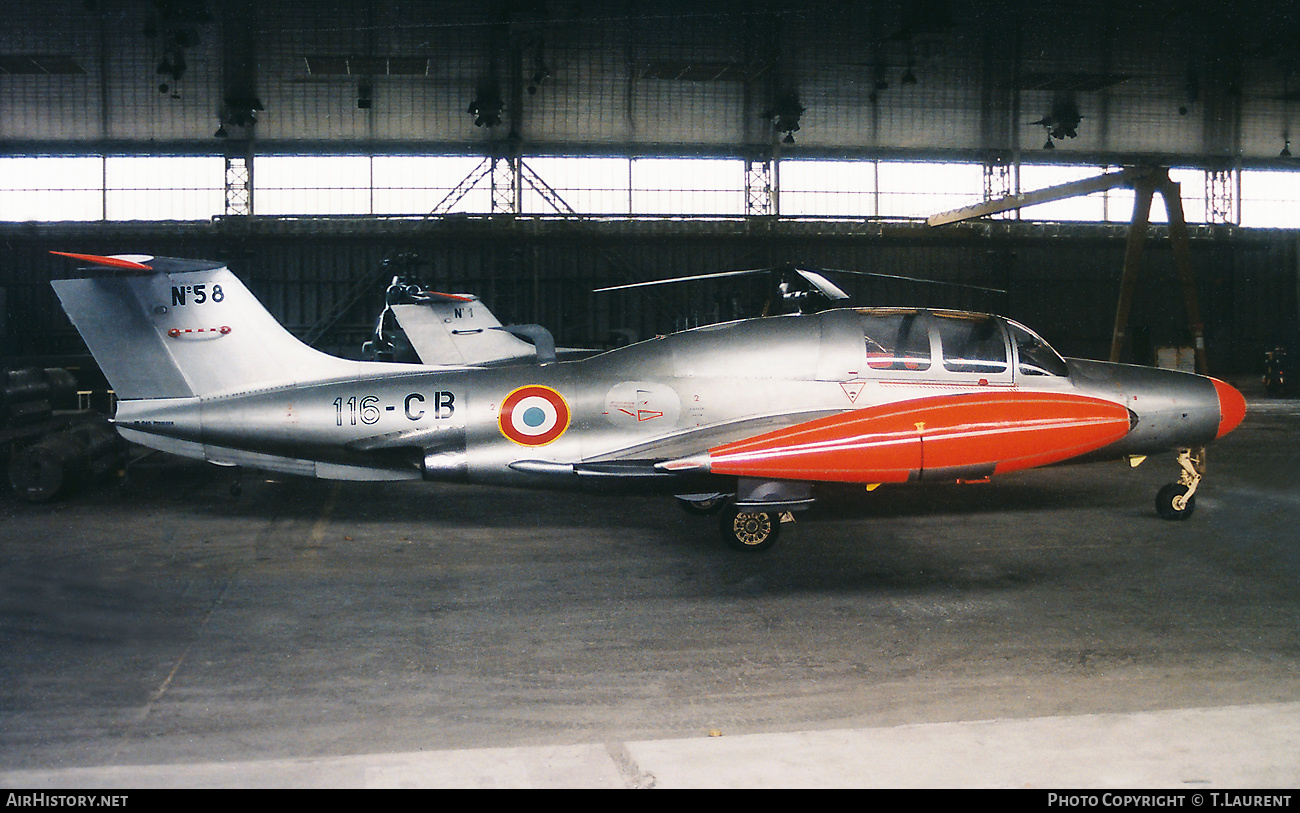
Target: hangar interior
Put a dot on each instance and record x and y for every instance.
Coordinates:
(532, 152)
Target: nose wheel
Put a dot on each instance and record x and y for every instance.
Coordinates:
(1177, 501)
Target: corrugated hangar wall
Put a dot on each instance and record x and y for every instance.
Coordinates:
(326, 280)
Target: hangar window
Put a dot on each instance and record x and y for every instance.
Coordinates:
(896, 341)
(43, 187)
(64, 187)
(141, 187)
(915, 189)
(972, 344)
(820, 188)
(173, 187)
(686, 186)
(417, 184)
(587, 184)
(1270, 199)
(313, 185)
(1110, 206)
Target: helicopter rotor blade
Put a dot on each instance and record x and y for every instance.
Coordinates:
(824, 286)
(912, 279)
(716, 275)
(812, 274)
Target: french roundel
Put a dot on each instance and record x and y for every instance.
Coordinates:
(534, 415)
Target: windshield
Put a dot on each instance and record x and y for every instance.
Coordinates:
(1036, 356)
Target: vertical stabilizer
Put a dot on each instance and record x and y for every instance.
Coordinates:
(458, 329)
(165, 328)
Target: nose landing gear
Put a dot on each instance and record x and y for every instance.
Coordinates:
(1177, 501)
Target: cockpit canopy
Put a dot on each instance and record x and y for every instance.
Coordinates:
(958, 342)
(842, 345)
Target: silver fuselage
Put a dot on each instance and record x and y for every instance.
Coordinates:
(651, 401)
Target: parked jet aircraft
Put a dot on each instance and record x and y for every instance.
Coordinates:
(428, 327)
(747, 416)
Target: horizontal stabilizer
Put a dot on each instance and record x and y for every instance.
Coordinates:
(131, 262)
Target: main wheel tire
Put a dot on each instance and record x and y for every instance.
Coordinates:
(750, 531)
(1165, 502)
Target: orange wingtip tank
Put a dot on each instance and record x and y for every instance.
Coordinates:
(106, 262)
(986, 432)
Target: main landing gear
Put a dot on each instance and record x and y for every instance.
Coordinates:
(742, 530)
(1177, 501)
(750, 531)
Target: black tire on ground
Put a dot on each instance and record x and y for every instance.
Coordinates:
(1165, 502)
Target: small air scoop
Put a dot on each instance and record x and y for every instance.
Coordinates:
(108, 262)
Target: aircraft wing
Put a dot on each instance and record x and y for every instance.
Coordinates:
(698, 439)
(947, 437)
(643, 461)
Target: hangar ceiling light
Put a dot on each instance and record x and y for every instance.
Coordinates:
(367, 65)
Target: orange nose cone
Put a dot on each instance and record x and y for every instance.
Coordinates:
(1232, 407)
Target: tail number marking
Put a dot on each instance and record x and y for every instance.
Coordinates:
(367, 409)
(199, 293)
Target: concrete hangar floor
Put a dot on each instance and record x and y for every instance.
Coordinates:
(1045, 630)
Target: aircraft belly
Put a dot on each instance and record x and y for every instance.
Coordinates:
(176, 446)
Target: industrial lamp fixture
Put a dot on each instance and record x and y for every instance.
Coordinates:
(540, 75)
(785, 116)
(909, 75)
(238, 111)
(177, 25)
(486, 107)
(1062, 122)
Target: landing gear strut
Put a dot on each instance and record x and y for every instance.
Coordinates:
(1177, 501)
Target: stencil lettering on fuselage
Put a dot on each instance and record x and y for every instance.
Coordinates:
(642, 404)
